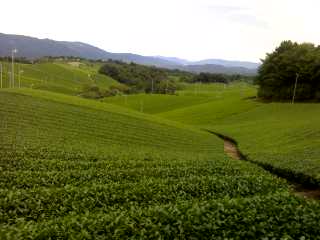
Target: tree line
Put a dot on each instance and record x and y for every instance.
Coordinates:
(140, 78)
(219, 78)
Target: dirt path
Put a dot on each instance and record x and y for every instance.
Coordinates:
(307, 193)
(232, 150)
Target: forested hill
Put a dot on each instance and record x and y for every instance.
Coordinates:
(34, 48)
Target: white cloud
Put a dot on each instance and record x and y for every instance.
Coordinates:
(193, 29)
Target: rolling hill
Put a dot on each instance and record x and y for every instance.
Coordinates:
(67, 77)
(76, 168)
(278, 136)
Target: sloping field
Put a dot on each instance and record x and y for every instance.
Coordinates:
(198, 102)
(32, 110)
(80, 169)
(221, 103)
(155, 103)
(62, 77)
(283, 135)
(207, 114)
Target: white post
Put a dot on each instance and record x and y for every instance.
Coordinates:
(295, 88)
(12, 65)
(1, 75)
(19, 75)
(20, 71)
(12, 69)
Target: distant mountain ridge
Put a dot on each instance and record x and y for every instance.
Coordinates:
(34, 48)
(222, 62)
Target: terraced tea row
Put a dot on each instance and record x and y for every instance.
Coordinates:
(57, 76)
(26, 119)
(257, 217)
(284, 136)
(75, 168)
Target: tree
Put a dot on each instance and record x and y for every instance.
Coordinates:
(277, 75)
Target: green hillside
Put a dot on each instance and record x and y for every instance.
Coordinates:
(155, 103)
(109, 123)
(58, 76)
(282, 135)
(77, 168)
(194, 99)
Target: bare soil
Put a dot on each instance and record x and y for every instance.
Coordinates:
(307, 193)
(231, 150)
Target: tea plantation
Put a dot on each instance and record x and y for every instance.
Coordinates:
(73, 168)
(56, 76)
(281, 136)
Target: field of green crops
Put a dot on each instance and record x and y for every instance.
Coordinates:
(282, 135)
(59, 76)
(74, 168)
(196, 102)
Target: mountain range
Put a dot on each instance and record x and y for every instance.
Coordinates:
(33, 48)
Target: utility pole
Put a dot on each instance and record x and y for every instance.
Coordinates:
(20, 71)
(295, 88)
(19, 80)
(167, 86)
(10, 79)
(152, 86)
(12, 65)
(0, 75)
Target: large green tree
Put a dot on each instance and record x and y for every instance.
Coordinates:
(280, 69)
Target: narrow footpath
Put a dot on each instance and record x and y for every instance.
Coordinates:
(300, 189)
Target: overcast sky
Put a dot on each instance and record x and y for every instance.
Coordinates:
(190, 29)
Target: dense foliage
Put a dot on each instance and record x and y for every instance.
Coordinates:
(140, 78)
(288, 63)
(210, 78)
(205, 77)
